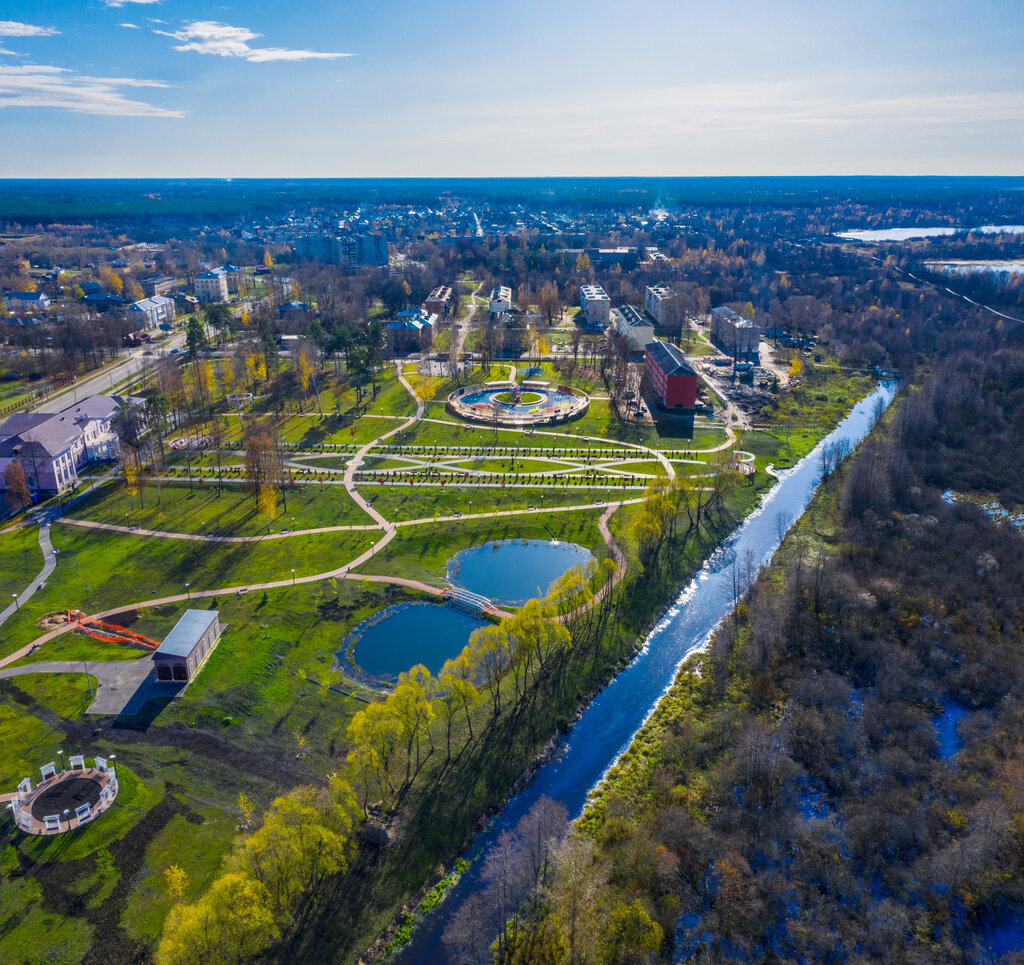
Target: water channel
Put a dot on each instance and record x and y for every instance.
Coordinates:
(608, 725)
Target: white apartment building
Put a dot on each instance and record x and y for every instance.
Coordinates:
(212, 286)
(596, 306)
(734, 334)
(501, 299)
(632, 325)
(656, 298)
(151, 312)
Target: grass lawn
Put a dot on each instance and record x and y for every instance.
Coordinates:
(100, 570)
(422, 551)
(232, 512)
(22, 560)
(402, 503)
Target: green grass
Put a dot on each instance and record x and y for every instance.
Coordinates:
(421, 552)
(101, 570)
(232, 512)
(403, 503)
(22, 560)
(31, 933)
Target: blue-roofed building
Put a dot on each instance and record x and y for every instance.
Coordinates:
(186, 647)
(19, 301)
(411, 331)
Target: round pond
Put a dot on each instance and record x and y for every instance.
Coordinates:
(401, 636)
(514, 571)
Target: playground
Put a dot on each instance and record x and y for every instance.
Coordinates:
(509, 404)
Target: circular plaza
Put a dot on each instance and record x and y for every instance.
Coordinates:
(65, 799)
(512, 405)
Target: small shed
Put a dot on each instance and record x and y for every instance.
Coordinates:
(187, 646)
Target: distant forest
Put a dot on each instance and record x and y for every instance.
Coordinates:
(69, 201)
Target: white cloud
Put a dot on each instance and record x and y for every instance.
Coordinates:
(11, 28)
(36, 85)
(130, 26)
(121, 3)
(223, 40)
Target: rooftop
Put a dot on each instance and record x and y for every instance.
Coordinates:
(669, 358)
(181, 641)
(633, 316)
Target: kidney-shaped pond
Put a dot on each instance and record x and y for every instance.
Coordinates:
(513, 571)
(406, 634)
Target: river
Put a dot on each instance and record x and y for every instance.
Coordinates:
(609, 724)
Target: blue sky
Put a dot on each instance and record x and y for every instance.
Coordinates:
(356, 88)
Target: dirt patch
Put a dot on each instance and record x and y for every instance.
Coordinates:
(53, 620)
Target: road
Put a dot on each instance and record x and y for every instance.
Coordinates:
(103, 382)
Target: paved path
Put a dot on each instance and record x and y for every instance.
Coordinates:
(117, 681)
(49, 565)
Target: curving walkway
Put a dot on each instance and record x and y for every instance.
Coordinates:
(49, 565)
(387, 529)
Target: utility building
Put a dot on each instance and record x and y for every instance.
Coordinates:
(187, 646)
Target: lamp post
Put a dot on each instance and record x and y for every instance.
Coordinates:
(88, 682)
(67, 817)
(61, 753)
(17, 605)
(293, 576)
(188, 592)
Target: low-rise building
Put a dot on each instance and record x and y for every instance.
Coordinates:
(411, 331)
(212, 286)
(158, 285)
(656, 297)
(27, 301)
(151, 312)
(51, 448)
(186, 648)
(439, 301)
(670, 376)
(294, 309)
(734, 334)
(501, 299)
(633, 325)
(596, 306)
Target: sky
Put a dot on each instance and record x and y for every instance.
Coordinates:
(463, 88)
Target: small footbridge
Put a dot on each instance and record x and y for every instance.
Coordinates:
(466, 600)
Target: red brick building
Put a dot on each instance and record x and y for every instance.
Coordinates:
(670, 376)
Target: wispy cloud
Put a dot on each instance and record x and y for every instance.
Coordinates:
(36, 85)
(130, 26)
(223, 40)
(11, 28)
(121, 3)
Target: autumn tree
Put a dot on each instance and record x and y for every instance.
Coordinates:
(18, 494)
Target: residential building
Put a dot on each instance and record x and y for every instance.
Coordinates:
(52, 448)
(235, 277)
(157, 285)
(596, 306)
(508, 332)
(186, 648)
(294, 309)
(734, 334)
(186, 304)
(212, 286)
(670, 376)
(348, 250)
(656, 297)
(102, 301)
(501, 299)
(22, 301)
(411, 331)
(633, 325)
(439, 301)
(151, 312)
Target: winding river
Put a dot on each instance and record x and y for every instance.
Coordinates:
(610, 722)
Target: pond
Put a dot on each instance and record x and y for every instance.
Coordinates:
(401, 636)
(514, 571)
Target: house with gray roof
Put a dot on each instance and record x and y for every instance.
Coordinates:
(186, 648)
(52, 448)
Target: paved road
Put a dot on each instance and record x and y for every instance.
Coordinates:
(118, 682)
(49, 565)
(106, 380)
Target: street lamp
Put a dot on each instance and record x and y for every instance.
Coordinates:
(17, 605)
(188, 591)
(67, 817)
(293, 576)
(61, 753)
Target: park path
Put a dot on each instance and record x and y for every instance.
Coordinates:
(49, 565)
